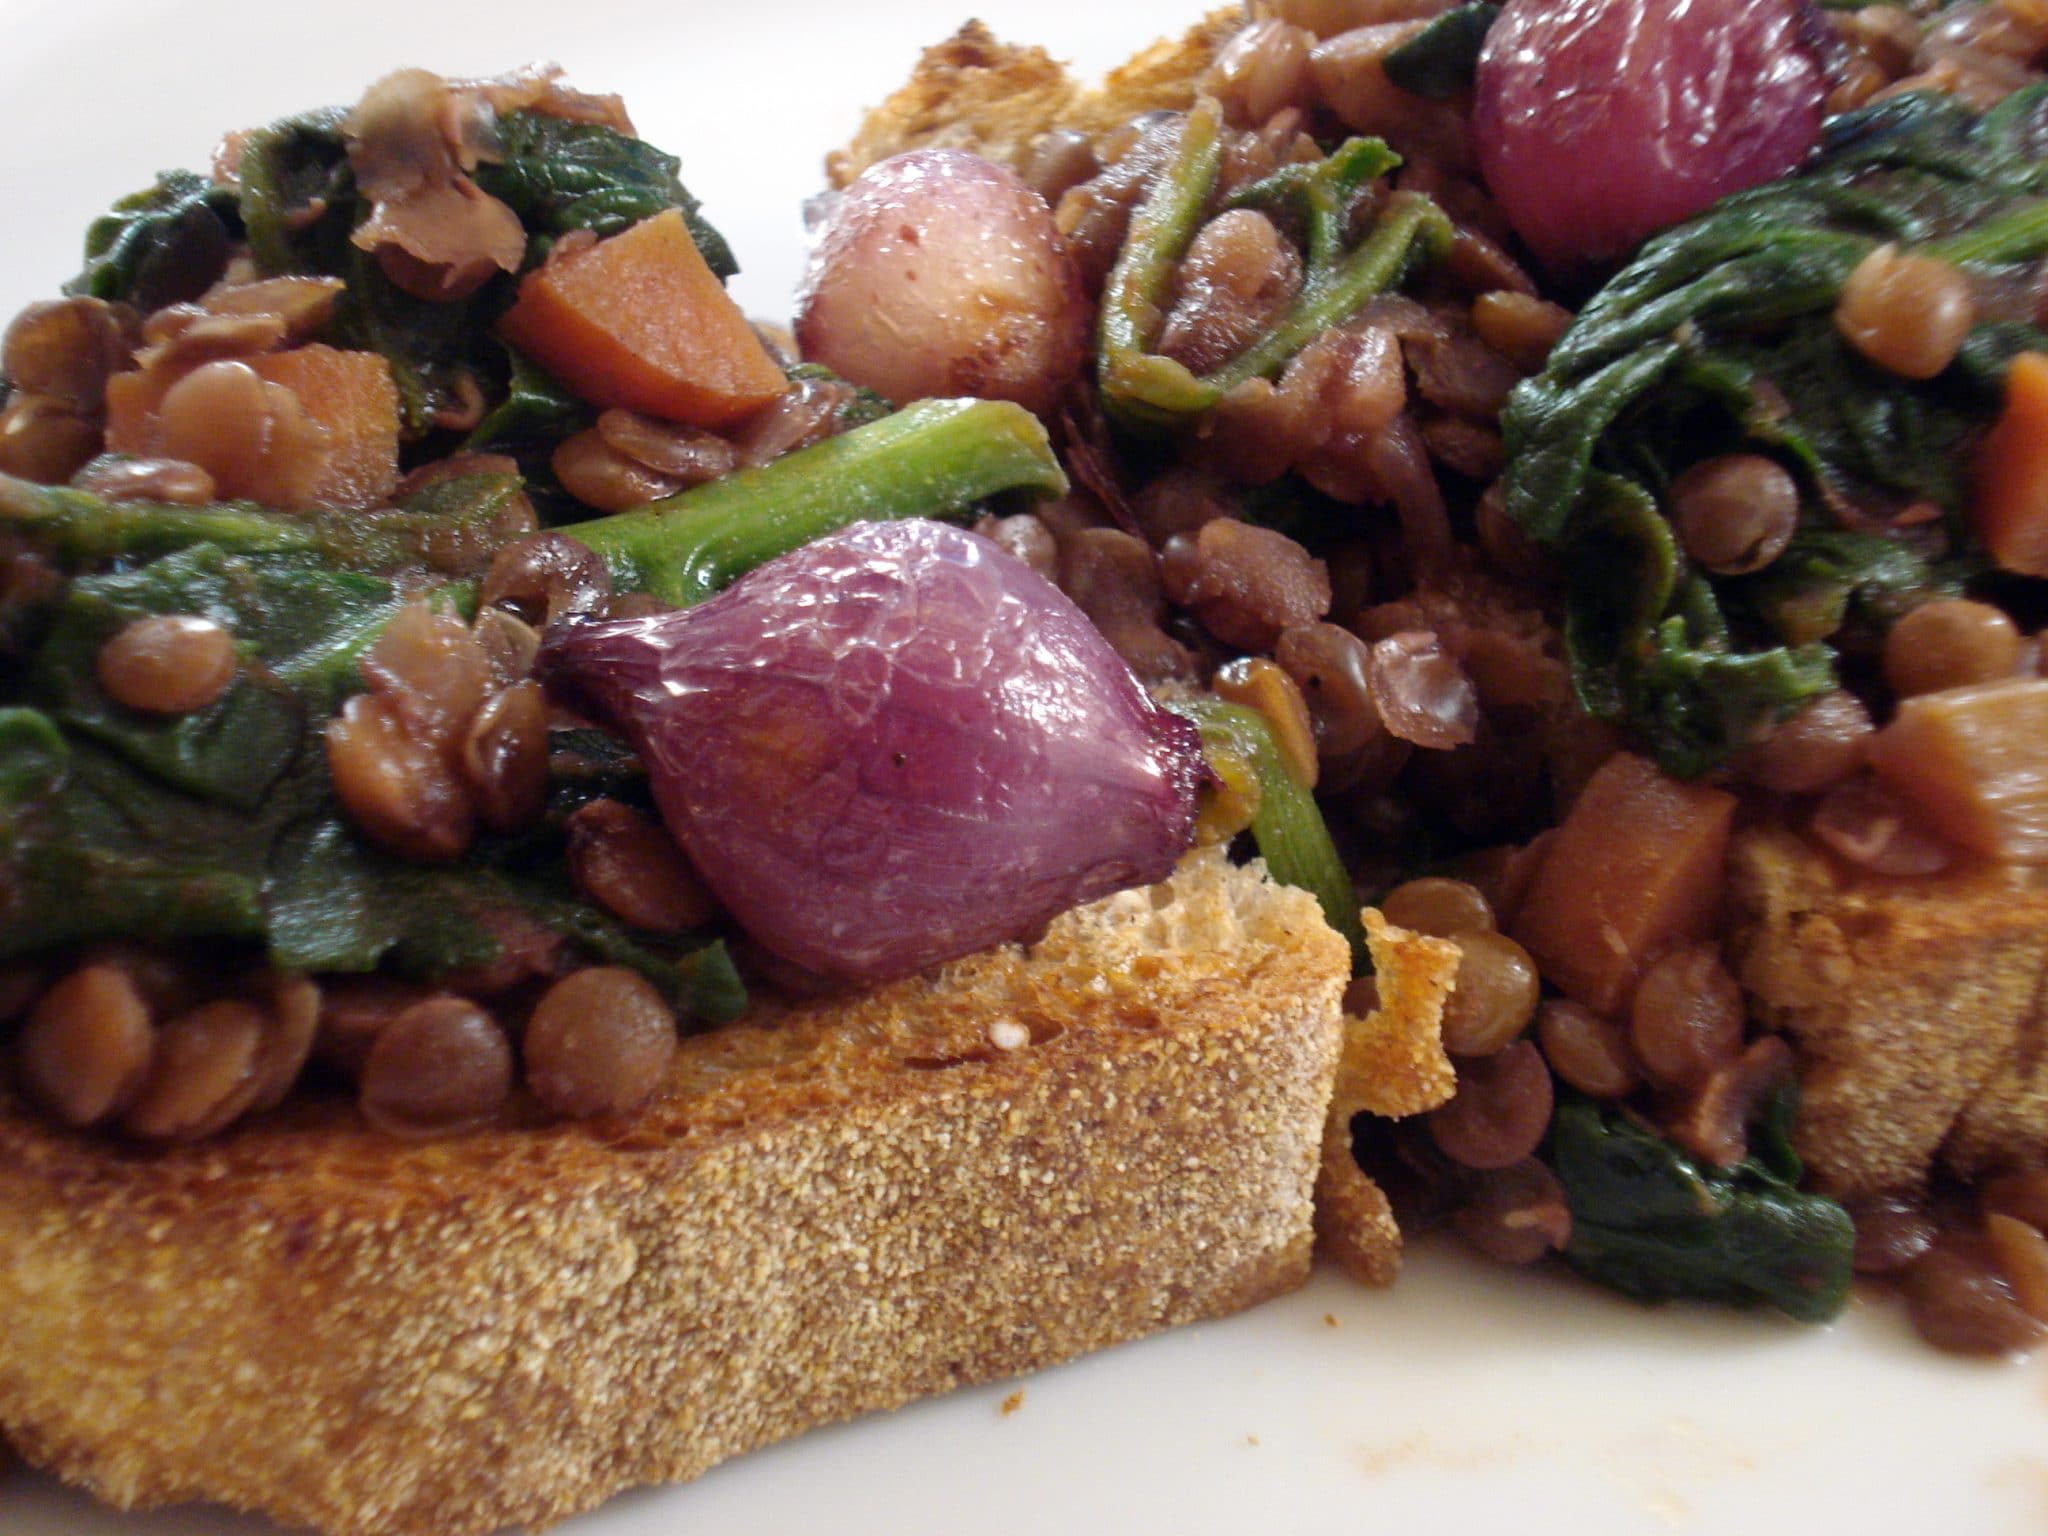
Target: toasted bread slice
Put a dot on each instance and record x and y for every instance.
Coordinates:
(1027, 1155)
(975, 92)
(1919, 1006)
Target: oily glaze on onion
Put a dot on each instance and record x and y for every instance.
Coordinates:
(940, 273)
(1600, 122)
(893, 747)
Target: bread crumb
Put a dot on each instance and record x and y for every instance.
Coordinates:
(1008, 1035)
(1013, 1402)
(1251, 1439)
(1330, 1319)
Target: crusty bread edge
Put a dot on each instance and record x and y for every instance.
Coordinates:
(973, 91)
(386, 1339)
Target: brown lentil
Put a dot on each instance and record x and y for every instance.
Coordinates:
(1112, 577)
(204, 1074)
(1500, 1111)
(1906, 313)
(1962, 1303)
(1686, 1018)
(1025, 538)
(167, 664)
(1891, 1233)
(45, 440)
(1519, 326)
(505, 757)
(2022, 1253)
(2020, 1195)
(1423, 694)
(1516, 1214)
(400, 792)
(173, 481)
(1817, 748)
(1736, 513)
(86, 1049)
(1713, 1124)
(429, 670)
(509, 644)
(1443, 908)
(443, 1065)
(547, 578)
(1245, 583)
(293, 1023)
(354, 1011)
(1587, 1051)
(254, 437)
(600, 476)
(1261, 685)
(1950, 643)
(632, 868)
(687, 455)
(1329, 665)
(1494, 997)
(599, 1043)
(65, 350)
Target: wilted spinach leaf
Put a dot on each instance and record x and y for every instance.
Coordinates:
(160, 246)
(1719, 338)
(1649, 1221)
(222, 823)
(559, 176)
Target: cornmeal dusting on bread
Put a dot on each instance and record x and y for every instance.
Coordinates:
(975, 92)
(1392, 1064)
(508, 1327)
(1920, 1008)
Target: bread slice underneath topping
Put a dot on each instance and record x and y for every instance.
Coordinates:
(1029, 1154)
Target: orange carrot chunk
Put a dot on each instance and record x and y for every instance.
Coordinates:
(352, 395)
(1974, 761)
(640, 321)
(2010, 508)
(1633, 870)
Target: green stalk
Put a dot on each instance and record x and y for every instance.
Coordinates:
(2018, 236)
(1145, 390)
(83, 529)
(1137, 383)
(936, 458)
(1412, 224)
(1288, 826)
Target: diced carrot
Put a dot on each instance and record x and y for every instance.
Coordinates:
(1974, 762)
(352, 395)
(1634, 869)
(2010, 508)
(638, 320)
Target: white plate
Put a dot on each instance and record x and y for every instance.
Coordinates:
(1466, 1399)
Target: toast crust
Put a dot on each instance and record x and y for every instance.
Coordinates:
(839, 1210)
(1919, 1008)
(976, 92)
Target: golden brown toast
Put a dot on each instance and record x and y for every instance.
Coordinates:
(1919, 1006)
(836, 1210)
(975, 92)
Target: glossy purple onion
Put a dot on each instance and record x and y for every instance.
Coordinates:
(1600, 122)
(940, 273)
(895, 746)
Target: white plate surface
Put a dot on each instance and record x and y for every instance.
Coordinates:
(1465, 1400)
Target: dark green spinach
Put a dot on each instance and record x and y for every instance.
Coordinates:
(222, 824)
(1440, 60)
(1718, 338)
(1649, 1221)
(559, 176)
